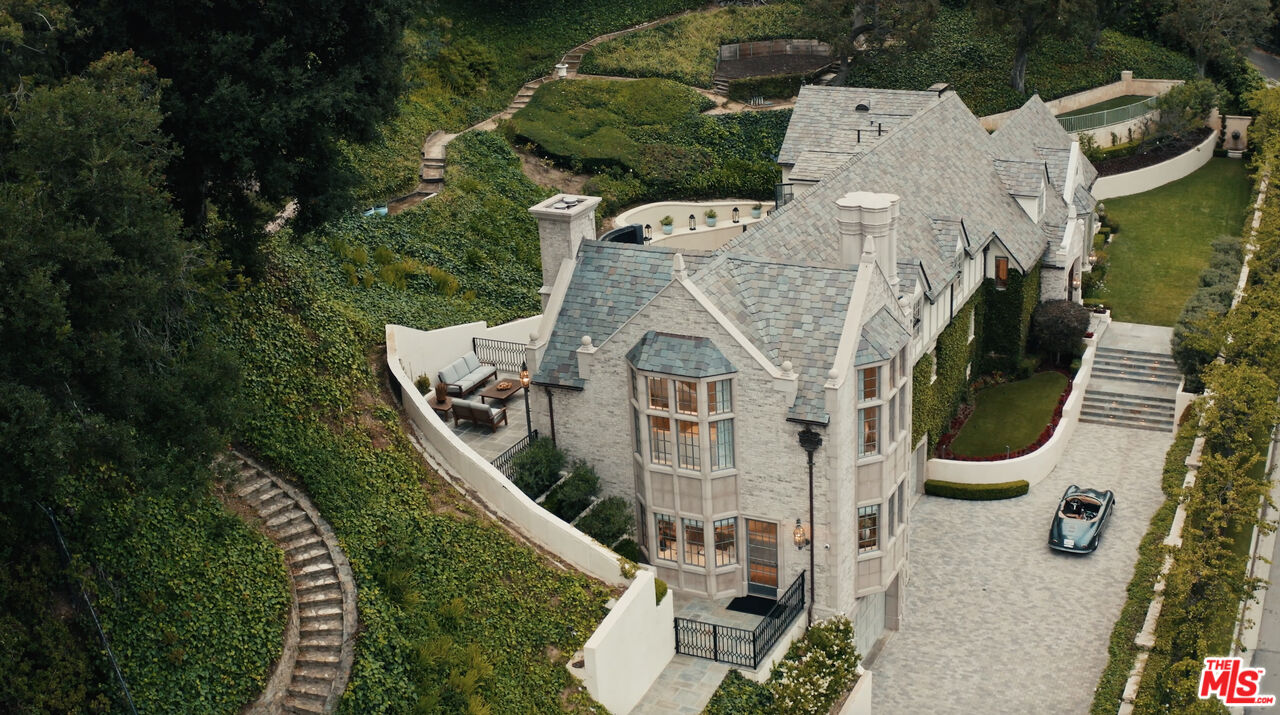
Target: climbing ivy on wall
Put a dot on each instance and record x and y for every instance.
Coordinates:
(1006, 321)
(934, 401)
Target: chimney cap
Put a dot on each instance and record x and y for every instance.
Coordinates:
(940, 87)
(866, 200)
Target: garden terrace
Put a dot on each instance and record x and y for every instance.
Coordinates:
(1010, 416)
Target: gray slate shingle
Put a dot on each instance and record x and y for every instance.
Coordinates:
(681, 355)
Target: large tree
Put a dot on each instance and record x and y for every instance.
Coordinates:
(851, 26)
(102, 358)
(259, 93)
(1030, 21)
(1213, 29)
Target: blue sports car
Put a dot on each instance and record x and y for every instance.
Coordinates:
(1080, 520)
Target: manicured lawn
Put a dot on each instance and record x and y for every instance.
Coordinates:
(1010, 416)
(1164, 240)
(1104, 106)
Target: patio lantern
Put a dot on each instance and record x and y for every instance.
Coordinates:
(800, 536)
(524, 382)
(648, 232)
(693, 222)
(735, 214)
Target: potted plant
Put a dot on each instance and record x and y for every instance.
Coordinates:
(756, 209)
(667, 225)
(441, 392)
(711, 216)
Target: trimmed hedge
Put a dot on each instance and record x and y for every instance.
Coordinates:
(538, 467)
(976, 492)
(568, 498)
(1008, 321)
(609, 520)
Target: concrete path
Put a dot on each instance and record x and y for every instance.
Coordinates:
(996, 622)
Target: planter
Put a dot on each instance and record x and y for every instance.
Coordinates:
(668, 228)
(755, 213)
(710, 222)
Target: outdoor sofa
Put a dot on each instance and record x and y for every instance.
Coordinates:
(466, 374)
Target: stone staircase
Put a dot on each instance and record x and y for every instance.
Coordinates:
(720, 85)
(1132, 388)
(315, 665)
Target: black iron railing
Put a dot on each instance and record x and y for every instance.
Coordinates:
(502, 354)
(738, 646)
(503, 462)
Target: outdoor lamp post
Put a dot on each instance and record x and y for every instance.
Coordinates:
(524, 381)
(810, 441)
(693, 222)
(648, 232)
(735, 214)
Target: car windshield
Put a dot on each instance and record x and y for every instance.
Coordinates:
(1079, 507)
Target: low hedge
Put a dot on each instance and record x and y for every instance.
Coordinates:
(976, 492)
(569, 498)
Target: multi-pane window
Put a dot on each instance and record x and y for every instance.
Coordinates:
(869, 431)
(690, 449)
(719, 397)
(721, 444)
(695, 553)
(726, 546)
(870, 385)
(635, 428)
(659, 439)
(889, 513)
(1002, 273)
(868, 528)
(658, 397)
(666, 528)
(686, 397)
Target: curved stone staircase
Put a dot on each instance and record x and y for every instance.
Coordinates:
(315, 665)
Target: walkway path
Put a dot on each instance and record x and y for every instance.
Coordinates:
(315, 665)
(1266, 63)
(994, 620)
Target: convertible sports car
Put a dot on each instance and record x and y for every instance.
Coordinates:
(1082, 515)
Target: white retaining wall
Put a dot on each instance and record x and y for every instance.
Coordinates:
(628, 652)
(859, 701)
(1146, 179)
(1037, 465)
(702, 238)
(1126, 86)
(412, 352)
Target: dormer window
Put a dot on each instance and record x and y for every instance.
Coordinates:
(1002, 273)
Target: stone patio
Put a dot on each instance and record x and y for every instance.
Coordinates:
(489, 444)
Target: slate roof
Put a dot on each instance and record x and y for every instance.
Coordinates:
(610, 283)
(1084, 200)
(790, 311)
(825, 121)
(680, 355)
(882, 337)
(814, 165)
(1021, 178)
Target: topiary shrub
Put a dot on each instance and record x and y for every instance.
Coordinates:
(608, 521)
(1058, 328)
(976, 492)
(535, 469)
(570, 497)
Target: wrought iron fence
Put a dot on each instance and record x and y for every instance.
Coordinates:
(502, 354)
(503, 461)
(1093, 120)
(93, 613)
(738, 646)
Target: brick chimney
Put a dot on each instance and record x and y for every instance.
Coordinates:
(869, 228)
(564, 222)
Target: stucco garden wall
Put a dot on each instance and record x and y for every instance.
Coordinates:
(1127, 85)
(1037, 465)
(703, 237)
(627, 653)
(1146, 179)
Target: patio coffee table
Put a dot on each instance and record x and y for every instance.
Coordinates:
(498, 393)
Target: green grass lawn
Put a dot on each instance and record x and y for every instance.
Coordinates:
(1010, 416)
(1115, 103)
(1164, 240)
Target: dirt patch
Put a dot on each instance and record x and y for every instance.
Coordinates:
(543, 173)
(1160, 152)
(771, 65)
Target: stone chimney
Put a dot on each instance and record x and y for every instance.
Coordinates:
(869, 225)
(564, 222)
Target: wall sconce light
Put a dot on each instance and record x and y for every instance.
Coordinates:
(648, 232)
(1075, 283)
(693, 222)
(735, 214)
(1093, 259)
(799, 536)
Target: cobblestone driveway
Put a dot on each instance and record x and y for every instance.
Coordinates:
(996, 622)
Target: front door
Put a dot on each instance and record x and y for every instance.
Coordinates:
(762, 558)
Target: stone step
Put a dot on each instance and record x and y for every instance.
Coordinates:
(287, 518)
(275, 505)
(433, 162)
(319, 612)
(1121, 423)
(316, 674)
(264, 494)
(1127, 412)
(1135, 403)
(305, 557)
(301, 540)
(1105, 394)
(251, 486)
(310, 691)
(317, 657)
(1122, 418)
(297, 706)
(317, 566)
(320, 627)
(1158, 369)
(331, 596)
(1134, 376)
(332, 640)
(1121, 353)
(296, 529)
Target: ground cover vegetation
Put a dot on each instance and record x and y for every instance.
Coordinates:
(1010, 416)
(1194, 346)
(686, 49)
(647, 141)
(1165, 239)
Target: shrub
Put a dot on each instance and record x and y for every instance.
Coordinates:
(782, 86)
(739, 696)
(570, 497)
(817, 670)
(1058, 327)
(976, 492)
(1196, 335)
(659, 590)
(423, 383)
(630, 550)
(535, 469)
(608, 521)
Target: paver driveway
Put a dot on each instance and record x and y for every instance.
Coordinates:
(996, 622)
